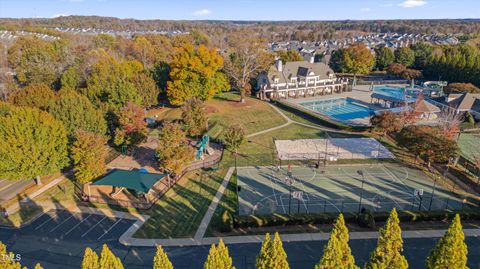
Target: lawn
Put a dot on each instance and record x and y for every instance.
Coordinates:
(179, 213)
(258, 150)
(224, 110)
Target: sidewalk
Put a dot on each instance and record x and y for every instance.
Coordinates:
(285, 238)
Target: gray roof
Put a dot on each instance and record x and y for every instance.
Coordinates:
(465, 101)
(299, 69)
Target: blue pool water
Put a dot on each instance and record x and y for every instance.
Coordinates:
(340, 109)
(396, 92)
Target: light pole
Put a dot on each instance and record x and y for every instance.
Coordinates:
(360, 172)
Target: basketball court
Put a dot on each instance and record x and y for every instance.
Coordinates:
(338, 188)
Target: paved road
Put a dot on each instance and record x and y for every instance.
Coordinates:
(9, 189)
(57, 240)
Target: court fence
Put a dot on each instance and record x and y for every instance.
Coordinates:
(322, 206)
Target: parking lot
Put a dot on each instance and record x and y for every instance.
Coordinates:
(64, 225)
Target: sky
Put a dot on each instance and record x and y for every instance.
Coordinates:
(245, 9)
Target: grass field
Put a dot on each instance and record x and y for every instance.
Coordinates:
(469, 144)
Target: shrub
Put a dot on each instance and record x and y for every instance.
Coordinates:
(227, 222)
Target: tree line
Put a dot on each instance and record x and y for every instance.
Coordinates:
(449, 252)
(435, 62)
(71, 97)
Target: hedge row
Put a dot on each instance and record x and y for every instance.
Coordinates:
(328, 218)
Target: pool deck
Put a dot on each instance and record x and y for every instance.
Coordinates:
(361, 94)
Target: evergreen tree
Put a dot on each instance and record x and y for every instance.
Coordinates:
(272, 255)
(38, 266)
(161, 261)
(8, 260)
(108, 260)
(387, 254)
(218, 257)
(383, 58)
(451, 251)
(90, 259)
(337, 253)
(405, 56)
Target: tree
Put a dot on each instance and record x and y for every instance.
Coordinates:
(245, 59)
(90, 259)
(405, 56)
(387, 254)
(470, 119)
(384, 57)
(110, 86)
(161, 261)
(358, 59)
(34, 95)
(411, 74)
(427, 142)
(108, 260)
(133, 128)
(194, 117)
(461, 88)
(70, 78)
(337, 253)
(76, 112)
(32, 143)
(147, 89)
(218, 257)
(89, 153)
(289, 56)
(337, 61)
(423, 52)
(272, 255)
(173, 152)
(160, 73)
(451, 251)
(9, 260)
(34, 60)
(386, 122)
(195, 72)
(234, 137)
(396, 69)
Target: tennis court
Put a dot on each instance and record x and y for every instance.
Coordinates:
(267, 190)
(469, 145)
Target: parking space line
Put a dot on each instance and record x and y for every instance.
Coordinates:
(54, 228)
(106, 232)
(45, 222)
(73, 228)
(91, 228)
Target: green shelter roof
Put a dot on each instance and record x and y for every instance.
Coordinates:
(134, 180)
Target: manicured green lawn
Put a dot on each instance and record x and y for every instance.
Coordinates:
(179, 213)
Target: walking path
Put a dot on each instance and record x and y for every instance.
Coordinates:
(290, 121)
(13, 208)
(213, 206)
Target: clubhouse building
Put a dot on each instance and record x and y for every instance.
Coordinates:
(298, 79)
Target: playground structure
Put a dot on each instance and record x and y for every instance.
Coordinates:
(203, 147)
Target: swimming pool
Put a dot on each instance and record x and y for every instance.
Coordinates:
(396, 92)
(341, 109)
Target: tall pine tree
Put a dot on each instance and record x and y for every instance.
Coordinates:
(108, 260)
(337, 253)
(387, 254)
(272, 255)
(90, 259)
(451, 251)
(161, 261)
(218, 257)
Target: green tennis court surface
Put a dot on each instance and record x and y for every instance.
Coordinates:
(469, 144)
(267, 190)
